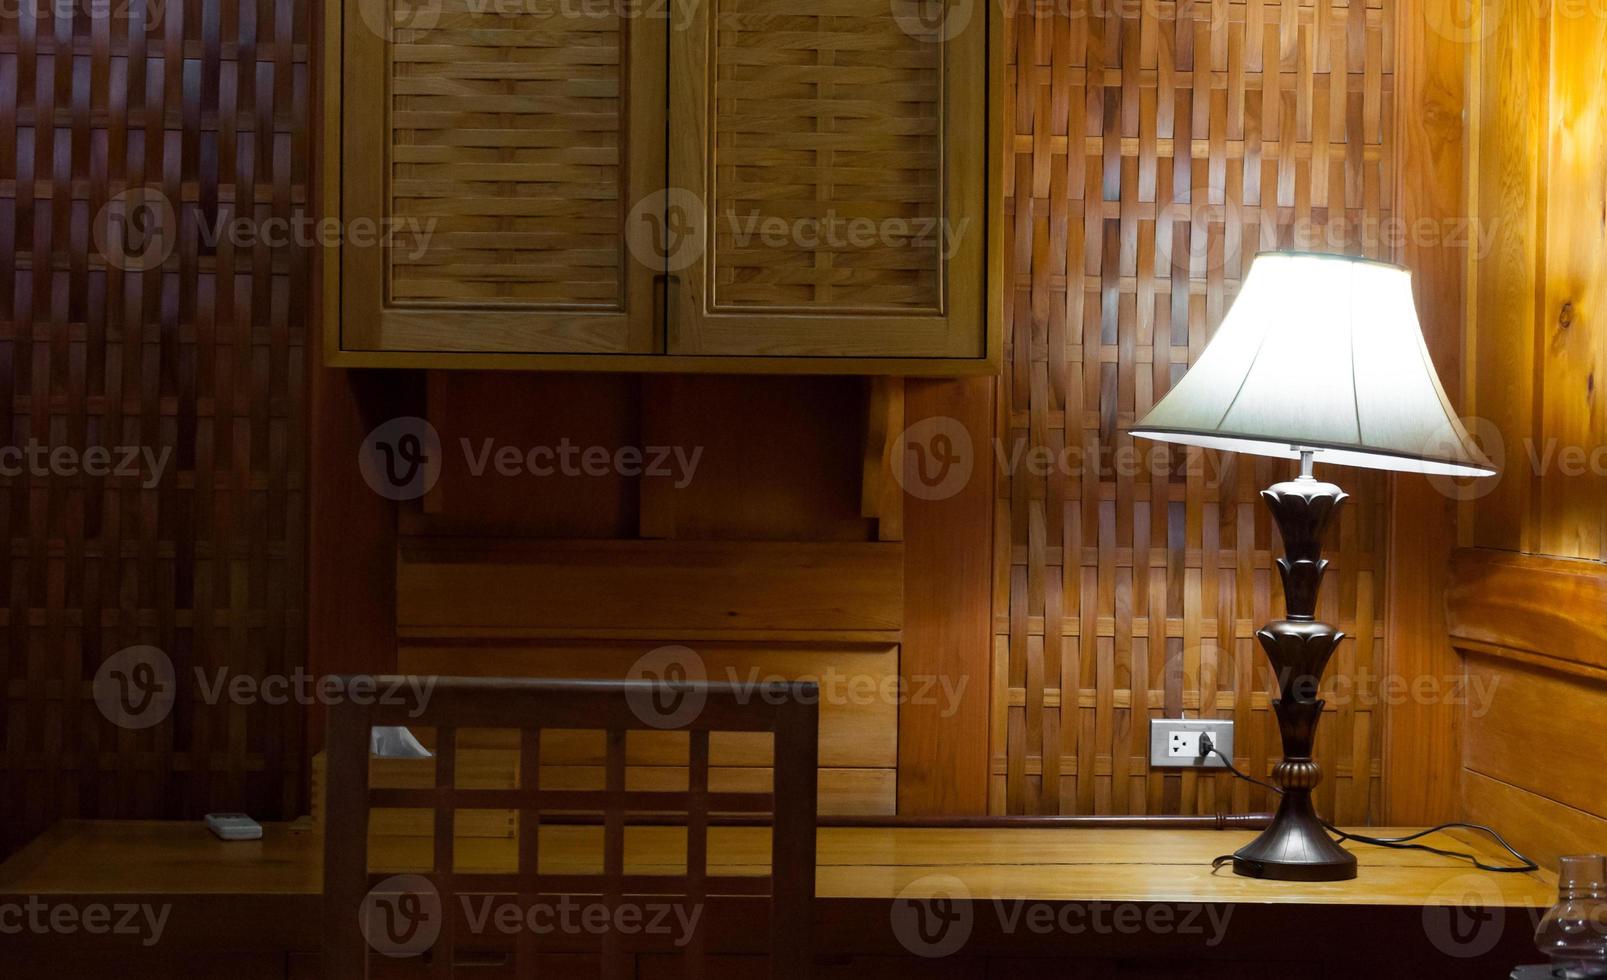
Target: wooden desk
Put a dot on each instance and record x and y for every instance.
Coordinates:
(263, 898)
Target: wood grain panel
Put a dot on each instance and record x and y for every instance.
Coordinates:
(153, 327)
(1537, 826)
(650, 585)
(1572, 335)
(1421, 752)
(1520, 609)
(1547, 607)
(1508, 108)
(1154, 149)
(836, 157)
(1531, 729)
(493, 153)
(1530, 630)
(845, 128)
(947, 631)
(507, 139)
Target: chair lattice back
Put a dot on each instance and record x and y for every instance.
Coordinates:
(423, 910)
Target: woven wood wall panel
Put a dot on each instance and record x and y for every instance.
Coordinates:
(506, 142)
(826, 117)
(202, 107)
(1155, 148)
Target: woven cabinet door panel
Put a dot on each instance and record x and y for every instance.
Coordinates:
(832, 159)
(496, 151)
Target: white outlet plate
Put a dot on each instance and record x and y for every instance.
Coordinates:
(1174, 743)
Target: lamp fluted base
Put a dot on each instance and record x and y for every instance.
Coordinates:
(1296, 847)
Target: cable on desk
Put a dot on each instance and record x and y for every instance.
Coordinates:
(1207, 747)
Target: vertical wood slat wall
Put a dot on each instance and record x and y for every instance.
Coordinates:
(1156, 146)
(204, 103)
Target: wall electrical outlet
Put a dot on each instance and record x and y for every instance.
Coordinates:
(1174, 743)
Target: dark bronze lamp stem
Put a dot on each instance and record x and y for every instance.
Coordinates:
(1296, 847)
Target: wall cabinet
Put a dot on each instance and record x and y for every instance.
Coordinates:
(741, 185)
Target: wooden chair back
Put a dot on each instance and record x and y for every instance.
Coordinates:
(376, 921)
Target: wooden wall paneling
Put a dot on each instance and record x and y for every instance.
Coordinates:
(1153, 150)
(1530, 708)
(352, 530)
(1420, 737)
(590, 586)
(1530, 628)
(128, 136)
(1536, 825)
(881, 495)
(489, 423)
(948, 565)
(1507, 106)
(1572, 320)
(656, 509)
(778, 459)
(1536, 607)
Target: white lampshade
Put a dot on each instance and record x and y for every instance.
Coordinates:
(1324, 353)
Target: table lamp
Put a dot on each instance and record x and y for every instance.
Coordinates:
(1321, 359)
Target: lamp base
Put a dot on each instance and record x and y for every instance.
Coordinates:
(1295, 848)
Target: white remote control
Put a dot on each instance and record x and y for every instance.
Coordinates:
(233, 826)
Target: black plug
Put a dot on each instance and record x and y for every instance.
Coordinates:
(1206, 746)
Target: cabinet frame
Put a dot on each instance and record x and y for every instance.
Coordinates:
(329, 90)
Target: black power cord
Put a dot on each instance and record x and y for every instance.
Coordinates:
(1207, 747)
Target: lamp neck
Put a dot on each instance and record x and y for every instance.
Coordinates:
(1308, 461)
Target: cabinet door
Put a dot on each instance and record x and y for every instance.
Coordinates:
(828, 161)
(491, 153)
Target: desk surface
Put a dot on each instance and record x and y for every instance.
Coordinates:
(164, 858)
